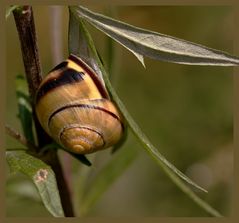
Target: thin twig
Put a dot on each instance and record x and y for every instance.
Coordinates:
(19, 137)
(26, 30)
(25, 25)
(27, 35)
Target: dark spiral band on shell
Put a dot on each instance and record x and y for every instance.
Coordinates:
(66, 76)
(86, 106)
(92, 74)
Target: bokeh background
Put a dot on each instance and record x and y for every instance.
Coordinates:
(186, 111)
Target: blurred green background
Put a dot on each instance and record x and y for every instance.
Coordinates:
(186, 111)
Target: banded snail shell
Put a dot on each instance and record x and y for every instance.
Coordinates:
(74, 108)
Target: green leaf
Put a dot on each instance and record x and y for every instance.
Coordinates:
(10, 9)
(153, 152)
(24, 108)
(42, 176)
(155, 45)
(107, 176)
(168, 168)
(172, 172)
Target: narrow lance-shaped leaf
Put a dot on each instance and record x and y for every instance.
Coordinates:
(42, 176)
(169, 169)
(134, 127)
(155, 45)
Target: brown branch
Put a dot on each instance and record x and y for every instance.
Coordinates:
(27, 35)
(26, 30)
(20, 138)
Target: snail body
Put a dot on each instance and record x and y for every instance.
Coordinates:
(74, 108)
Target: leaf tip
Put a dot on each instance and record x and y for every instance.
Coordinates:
(198, 187)
(140, 58)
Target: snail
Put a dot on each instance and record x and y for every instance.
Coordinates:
(74, 108)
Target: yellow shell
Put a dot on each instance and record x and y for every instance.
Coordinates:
(74, 108)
